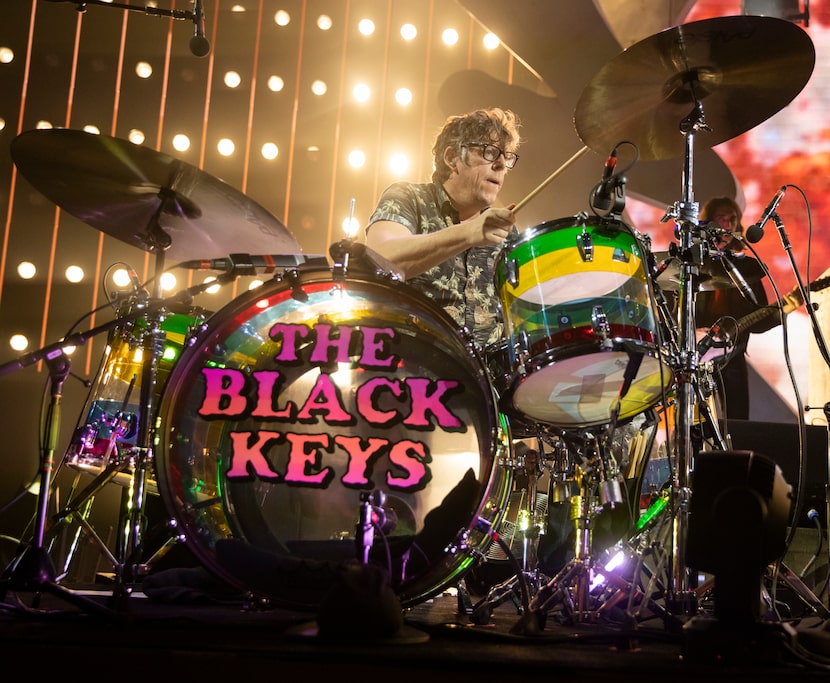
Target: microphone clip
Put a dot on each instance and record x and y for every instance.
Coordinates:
(610, 195)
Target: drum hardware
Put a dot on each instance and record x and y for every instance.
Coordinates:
(32, 570)
(524, 583)
(568, 593)
(643, 92)
(36, 559)
(689, 56)
(712, 271)
(375, 516)
(78, 509)
(350, 257)
(108, 439)
(630, 576)
(158, 204)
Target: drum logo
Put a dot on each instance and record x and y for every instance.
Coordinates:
(379, 404)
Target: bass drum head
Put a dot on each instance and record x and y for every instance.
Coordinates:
(319, 420)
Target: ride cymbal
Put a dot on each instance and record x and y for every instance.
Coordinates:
(739, 70)
(145, 198)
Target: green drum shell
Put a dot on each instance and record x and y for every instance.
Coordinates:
(579, 319)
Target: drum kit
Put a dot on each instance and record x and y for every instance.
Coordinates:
(309, 422)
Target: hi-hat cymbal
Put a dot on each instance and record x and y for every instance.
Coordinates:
(145, 198)
(713, 274)
(740, 70)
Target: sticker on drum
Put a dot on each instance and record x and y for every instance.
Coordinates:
(579, 324)
(107, 429)
(304, 400)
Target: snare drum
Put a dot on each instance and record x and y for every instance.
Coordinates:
(107, 430)
(579, 324)
(306, 399)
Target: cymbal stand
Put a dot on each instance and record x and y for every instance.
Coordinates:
(129, 545)
(681, 598)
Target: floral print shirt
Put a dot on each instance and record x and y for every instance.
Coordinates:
(463, 285)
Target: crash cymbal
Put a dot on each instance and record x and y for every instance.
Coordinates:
(713, 274)
(145, 198)
(740, 69)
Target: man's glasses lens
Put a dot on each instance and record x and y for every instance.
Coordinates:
(491, 153)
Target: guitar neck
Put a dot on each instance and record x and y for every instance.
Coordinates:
(790, 302)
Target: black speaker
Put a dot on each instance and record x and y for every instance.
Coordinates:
(780, 442)
(738, 516)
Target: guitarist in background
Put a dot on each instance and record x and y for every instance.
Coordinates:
(729, 304)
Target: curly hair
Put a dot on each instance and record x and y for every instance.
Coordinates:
(499, 126)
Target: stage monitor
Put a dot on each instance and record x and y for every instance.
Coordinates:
(779, 441)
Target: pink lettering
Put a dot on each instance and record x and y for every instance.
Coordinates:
(374, 344)
(422, 402)
(324, 342)
(414, 466)
(357, 474)
(301, 461)
(223, 392)
(290, 335)
(366, 402)
(324, 398)
(247, 456)
(267, 389)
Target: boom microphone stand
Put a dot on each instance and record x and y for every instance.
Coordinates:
(32, 570)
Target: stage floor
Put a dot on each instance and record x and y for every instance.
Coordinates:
(128, 635)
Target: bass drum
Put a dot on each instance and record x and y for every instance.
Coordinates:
(320, 419)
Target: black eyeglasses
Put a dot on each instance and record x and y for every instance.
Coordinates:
(491, 153)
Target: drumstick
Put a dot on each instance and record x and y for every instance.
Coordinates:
(549, 179)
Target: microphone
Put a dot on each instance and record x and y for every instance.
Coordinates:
(138, 288)
(199, 45)
(603, 195)
(708, 340)
(738, 280)
(755, 232)
(245, 264)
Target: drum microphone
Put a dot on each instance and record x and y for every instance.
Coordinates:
(738, 279)
(708, 340)
(603, 195)
(138, 288)
(755, 232)
(245, 264)
(199, 45)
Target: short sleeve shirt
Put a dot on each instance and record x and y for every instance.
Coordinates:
(463, 285)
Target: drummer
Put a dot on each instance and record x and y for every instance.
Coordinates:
(731, 303)
(444, 235)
